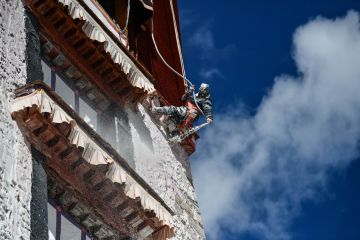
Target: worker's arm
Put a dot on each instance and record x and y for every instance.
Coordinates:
(207, 109)
(188, 94)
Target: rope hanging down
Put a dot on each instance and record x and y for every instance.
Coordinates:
(123, 31)
(183, 76)
(164, 61)
(172, 69)
(177, 35)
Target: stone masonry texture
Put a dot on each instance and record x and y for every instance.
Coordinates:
(15, 157)
(160, 164)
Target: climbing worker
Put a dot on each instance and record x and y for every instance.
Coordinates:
(196, 104)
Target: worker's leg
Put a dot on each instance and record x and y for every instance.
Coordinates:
(171, 111)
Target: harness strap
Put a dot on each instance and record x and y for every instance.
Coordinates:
(193, 109)
(193, 112)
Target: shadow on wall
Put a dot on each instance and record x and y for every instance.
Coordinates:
(114, 125)
(182, 157)
(142, 130)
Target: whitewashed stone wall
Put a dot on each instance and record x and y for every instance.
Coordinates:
(160, 165)
(15, 158)
(155, 160)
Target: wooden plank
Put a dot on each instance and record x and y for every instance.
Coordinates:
(47, 135)
(44, 6)
(59, 147)
(34, 123)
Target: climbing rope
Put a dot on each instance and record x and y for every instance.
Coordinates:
(123, 31)
(186, 81)
(177, 73)
(183, 76)
(177, 35)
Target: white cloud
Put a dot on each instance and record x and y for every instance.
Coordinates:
(253, 172)
(187, 18)
(210, 73)
(203, 37)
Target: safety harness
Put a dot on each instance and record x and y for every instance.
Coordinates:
(191, 116)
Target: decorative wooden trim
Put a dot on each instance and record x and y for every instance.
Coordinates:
(106, 146)
(105, 14)
(88, 181)
(138, 64)
(89, 56)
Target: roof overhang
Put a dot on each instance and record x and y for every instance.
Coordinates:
(95, 45)
(88, 165)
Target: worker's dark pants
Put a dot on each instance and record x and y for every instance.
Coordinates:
(176, 116)
(176, 113)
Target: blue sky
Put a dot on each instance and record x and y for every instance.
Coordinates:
(280, 161)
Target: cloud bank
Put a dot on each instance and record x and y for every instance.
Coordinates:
(253, 172)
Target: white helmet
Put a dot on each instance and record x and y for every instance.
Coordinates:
(204, 87)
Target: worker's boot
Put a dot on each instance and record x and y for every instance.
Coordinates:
(164, 118)
(172, 128)
(154, 101)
